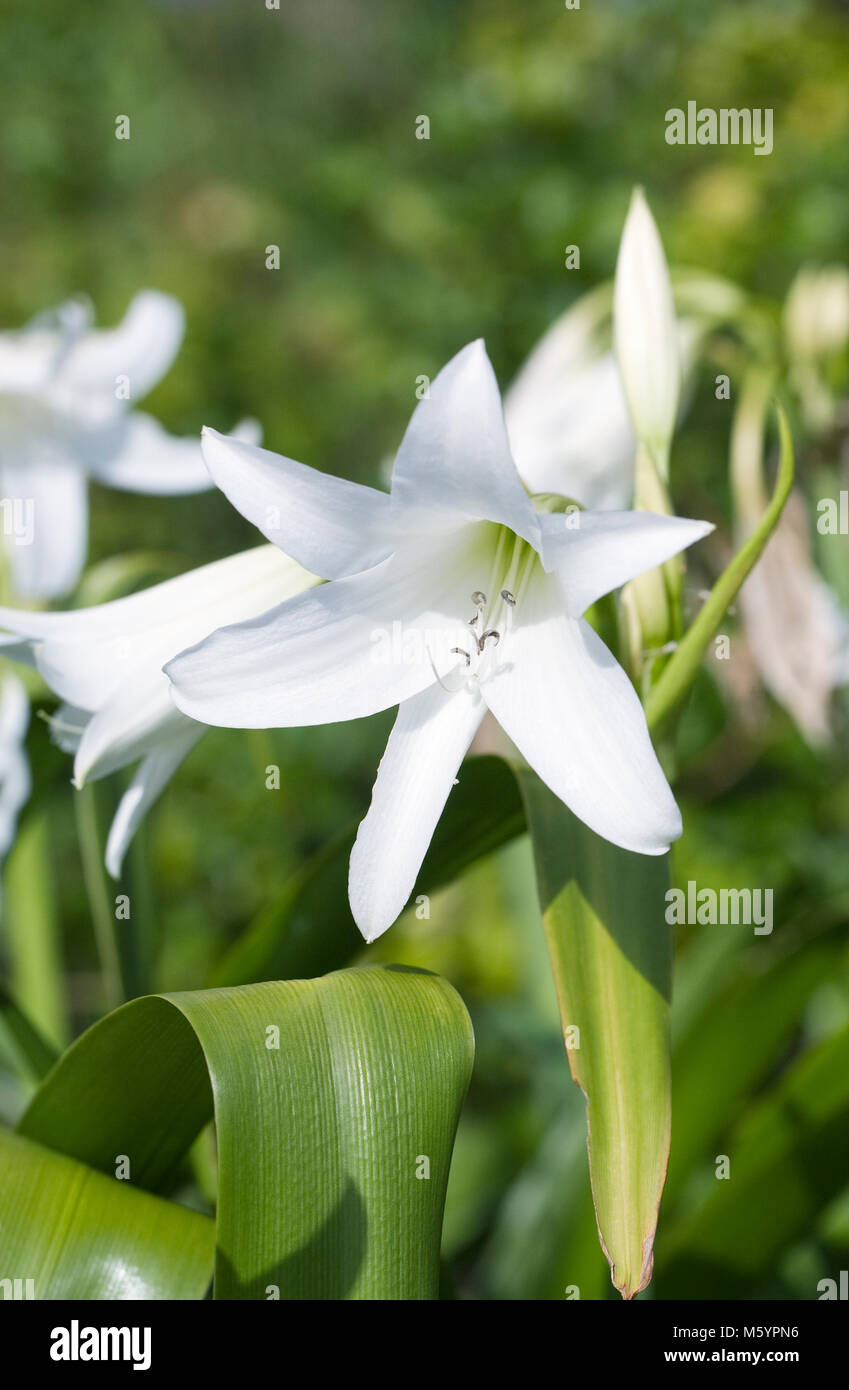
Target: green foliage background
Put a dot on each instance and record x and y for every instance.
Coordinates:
(297, 127)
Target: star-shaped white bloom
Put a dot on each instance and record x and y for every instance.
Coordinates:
(472, 601)
(66, 397)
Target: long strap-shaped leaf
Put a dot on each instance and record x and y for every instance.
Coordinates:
(611, 952)
(69, 1232)
(310, 930)
(787, 1162)
(335, 1101)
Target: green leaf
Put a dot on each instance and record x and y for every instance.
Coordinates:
(791, 1146)
(544, 1238)
(78, 1234)
(731, 1047)
(330, 1098)
(310, 930)
(611, 952)
(31, 929)
(679, 674)
(31, 1055)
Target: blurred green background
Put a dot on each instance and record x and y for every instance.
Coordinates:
(296, 127)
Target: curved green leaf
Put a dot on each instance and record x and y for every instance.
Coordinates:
(335, 1101)
(78, 1234)
(31, 1055)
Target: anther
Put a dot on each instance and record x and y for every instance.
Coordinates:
(461, 651)
(479, 600)
(490, 633)
(508, 597)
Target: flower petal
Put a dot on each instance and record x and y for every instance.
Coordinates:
(142, 348)
(152, 776)
(346, 649)
(146, 458)
(135, 717)
(430, 738)
(454, 461)
(595, 552)
(330, 525)
(15, 778)
(572, 434)
(573, 714)
(46, 537)
(566, 414)
(85, 655)
(30, 356)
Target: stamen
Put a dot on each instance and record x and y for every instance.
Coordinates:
(512, 565)
(479, 600)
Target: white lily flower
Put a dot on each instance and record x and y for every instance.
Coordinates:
(645, 331)
(66, 397)
(106, 663)
(567, 419)
(486, 594)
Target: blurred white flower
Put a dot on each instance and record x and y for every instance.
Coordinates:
(797, 633)
(796, 629)
(15, 781)
(568, 421)
(458, 532)
(67, 392)
(816, 330)
(645, 332)
(566, 414)
(106, 663)
(816, 313)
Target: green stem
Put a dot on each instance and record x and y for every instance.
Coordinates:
(99, 897)
(137, 932)
(679, 675)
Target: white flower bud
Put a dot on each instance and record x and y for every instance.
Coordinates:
(644, 331)
(816, 315)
